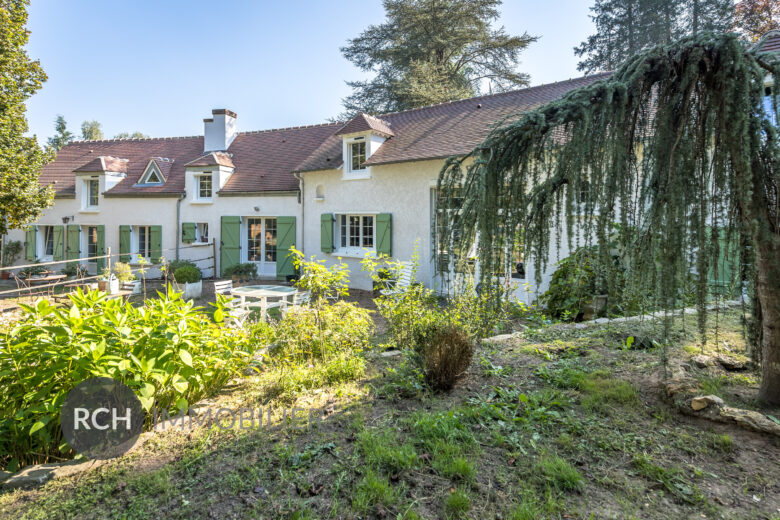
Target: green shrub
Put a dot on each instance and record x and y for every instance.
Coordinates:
(122, 271)
(165, 351)
(33, 270)
(173, 265)
(246, 270)
(12, 250)
(187, 274)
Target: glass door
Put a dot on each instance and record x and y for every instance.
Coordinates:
(261, 244)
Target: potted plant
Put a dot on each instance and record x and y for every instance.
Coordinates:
(11, 252)
(187, 280)
(124, 274)
(242, 272)
(108, 282)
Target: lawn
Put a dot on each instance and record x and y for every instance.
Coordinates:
(554, 423)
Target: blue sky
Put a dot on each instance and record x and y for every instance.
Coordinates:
(161, 66)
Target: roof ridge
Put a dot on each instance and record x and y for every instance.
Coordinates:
(524, 89)
(315, 125)
(116, 140)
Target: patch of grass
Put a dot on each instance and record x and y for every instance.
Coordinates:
(559, 473)
(456, 468)
(285, 382)
(720, 442)
(379, 450)
(672, 479)
(430, 429)
(532, 505)
(371, 491)
(457, 504)
(711, 385)
(602, 391)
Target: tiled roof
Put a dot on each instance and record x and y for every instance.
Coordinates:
(104, 164)
(266, 160)
(364, 123)
(453, 128)
(770, 42)
(213, 159)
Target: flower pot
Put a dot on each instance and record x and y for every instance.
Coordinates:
(102, 285)
(5, 275)
(136, 286)
(189, 290)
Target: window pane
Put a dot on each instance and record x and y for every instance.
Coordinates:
(368, 231)
(354, 231)
(343, 228)
(270, 240)
(143, 241)
(203, 232)
(92, 186)
(204, 186)
(358, 155)
(91, 241)
(255, 239)
(49, 237)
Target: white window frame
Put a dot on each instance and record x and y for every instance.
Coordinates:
(338, 236)
(86, 232)
(198, 178)
(135, 243)
(87, 195)
(41, 245)
(152, 169)
(201, 230)
(349, 172)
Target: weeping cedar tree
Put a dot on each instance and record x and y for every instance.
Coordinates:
(676, 146)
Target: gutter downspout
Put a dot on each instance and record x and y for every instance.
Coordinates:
(299, 176)
(178, 221)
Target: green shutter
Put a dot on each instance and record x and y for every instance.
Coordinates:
(30, 240)
(230, 243)
(101, 247)
(188, 230)
(124, 244)
(285, 241)
(73, 243)
(384, 234)
(155, 243)
(59, 242)
(326, 232)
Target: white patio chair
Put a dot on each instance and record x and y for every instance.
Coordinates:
(298, 299)
(238, 314)
(405, 279)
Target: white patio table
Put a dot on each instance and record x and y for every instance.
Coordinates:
(262, 293)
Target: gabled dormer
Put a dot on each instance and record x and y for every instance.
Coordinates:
(362, 136)
(156, 172)
(96, 177)
(208, 174)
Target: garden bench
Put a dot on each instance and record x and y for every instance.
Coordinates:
(403, 282)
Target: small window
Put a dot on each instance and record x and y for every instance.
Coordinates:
(204, 186)
(91, 188)
(143, 242)
(202, 231)
(355, 232)
(153, 178)
(357, 151)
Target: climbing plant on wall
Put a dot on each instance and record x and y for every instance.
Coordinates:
(677, 146)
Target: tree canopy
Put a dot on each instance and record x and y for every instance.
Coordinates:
(62, 135)
(753, 18)
(91, 131)
(626, 27)
(432, 51)
(677, 148)
(21, 158)
(131, 135)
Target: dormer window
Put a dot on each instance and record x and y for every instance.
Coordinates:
(91, 195)
(357, 155)
(152, 175)
(204, 187)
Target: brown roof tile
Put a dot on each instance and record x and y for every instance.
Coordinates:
(213, 159)
(104, 164)
(453, 128)
(770, 42)
(364, 123)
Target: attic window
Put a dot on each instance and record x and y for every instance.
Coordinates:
(357, 153)
(152, 175)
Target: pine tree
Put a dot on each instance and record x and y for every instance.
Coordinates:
(91, 131)
(431, 51)
(626, 27)
(21, 197)
(678, 147)
(62, 135)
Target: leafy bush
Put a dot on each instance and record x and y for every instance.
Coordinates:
(187, 274)
(445, 355)
(173, 265)
(33, 270)
(165, 351)
(12, 250)
(246, 270)
(123, 272)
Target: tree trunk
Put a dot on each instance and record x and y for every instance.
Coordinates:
(768, 294)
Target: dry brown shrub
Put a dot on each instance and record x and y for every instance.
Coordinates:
(445, 356)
